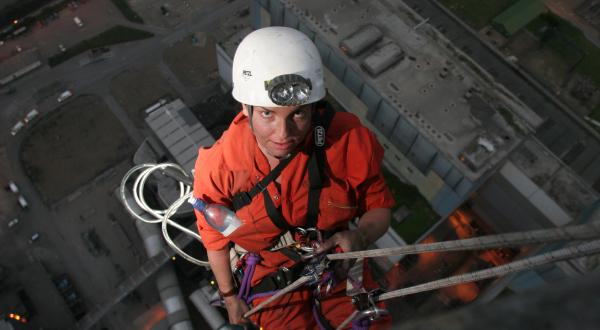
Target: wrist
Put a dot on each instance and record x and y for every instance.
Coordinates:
(228, 293)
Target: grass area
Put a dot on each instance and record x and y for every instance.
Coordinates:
(569, 43)
(126, 10)
(114, 35)
(421, 216)
(477, 13)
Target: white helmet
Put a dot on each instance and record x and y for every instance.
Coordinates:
(277, 66)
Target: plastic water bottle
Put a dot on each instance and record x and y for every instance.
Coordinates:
(219, 217)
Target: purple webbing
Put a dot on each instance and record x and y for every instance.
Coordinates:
(317, 318)
(362, 324)
(251, 261)
(260, 295)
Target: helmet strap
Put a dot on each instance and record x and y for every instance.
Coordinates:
(250, 111)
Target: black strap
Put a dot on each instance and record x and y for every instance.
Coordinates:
(316, 166)
(274, 213)
(244, 198)
(279, 279)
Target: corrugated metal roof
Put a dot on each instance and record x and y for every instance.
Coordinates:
(517, 16)
(180, 132)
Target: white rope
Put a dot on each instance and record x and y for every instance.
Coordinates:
(157, 215)
(568, 233)
(577, 251)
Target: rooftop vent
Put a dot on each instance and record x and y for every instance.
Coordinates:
(382, 59)
(479, 151)
(361, 40)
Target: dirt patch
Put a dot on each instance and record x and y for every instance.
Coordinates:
(547, 67)
(72, 146)
(171, 13)
(193, 60)
(522, 43)
(138, 88)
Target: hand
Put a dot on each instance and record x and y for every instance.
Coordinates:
(236, 308)
(348, 240)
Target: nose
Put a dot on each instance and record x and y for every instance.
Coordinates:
(283, 130)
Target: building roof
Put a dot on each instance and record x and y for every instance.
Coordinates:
(428, 98)
(180, 132)
(517, 16)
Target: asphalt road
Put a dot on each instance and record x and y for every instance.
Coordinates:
(560, 133)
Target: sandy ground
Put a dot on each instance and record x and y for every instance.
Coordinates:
(137, 88)
(195, 64)
(56, 155)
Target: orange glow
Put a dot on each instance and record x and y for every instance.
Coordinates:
(465, 292)
(461, 223)
(158, 315)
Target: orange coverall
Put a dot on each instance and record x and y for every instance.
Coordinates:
(235, 163)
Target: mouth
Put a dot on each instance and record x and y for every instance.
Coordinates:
(283, 146)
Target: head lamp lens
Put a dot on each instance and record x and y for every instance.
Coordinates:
(289, 89)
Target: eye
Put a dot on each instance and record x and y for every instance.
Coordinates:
(300, 113)
(266, 114)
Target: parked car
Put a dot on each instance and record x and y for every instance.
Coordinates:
(34, 238)
(30, 115)
(78, 21)
(15, 129)
(12, 187)
(70, 295)
(64, 95)
(13, 222)
(22, 201)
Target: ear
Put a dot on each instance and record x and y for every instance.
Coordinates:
(245, 110)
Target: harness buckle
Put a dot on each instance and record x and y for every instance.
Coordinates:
(365, 304)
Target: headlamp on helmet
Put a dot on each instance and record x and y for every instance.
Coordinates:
(289, 89)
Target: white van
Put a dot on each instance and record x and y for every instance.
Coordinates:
(23, 202)
(15, 129)
(64, 95)
(12, 186)
(30, 115)
(78, 21)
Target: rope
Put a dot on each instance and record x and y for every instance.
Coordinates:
(580, 232)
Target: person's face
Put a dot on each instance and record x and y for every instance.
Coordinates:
(280, 130)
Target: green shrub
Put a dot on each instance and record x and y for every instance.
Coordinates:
(114, 35)
(126, 10)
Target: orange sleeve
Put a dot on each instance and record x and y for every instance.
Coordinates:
(212, 185)
(364, 170)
